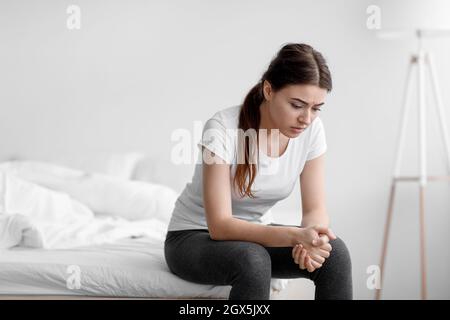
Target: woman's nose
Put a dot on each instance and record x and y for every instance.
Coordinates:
(305, 118)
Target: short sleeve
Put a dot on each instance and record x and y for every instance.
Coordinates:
(317, 141)
(217, 139)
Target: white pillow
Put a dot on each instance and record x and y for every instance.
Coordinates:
(103, 194)
(20, 196)
(120, 165)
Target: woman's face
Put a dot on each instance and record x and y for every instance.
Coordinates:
(293, 106)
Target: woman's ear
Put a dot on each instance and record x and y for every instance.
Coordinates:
(267, 90)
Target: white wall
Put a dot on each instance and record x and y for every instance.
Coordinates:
(137, 70)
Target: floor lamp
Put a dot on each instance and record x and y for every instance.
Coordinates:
(422, 61)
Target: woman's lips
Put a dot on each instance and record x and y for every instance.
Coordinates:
(297, 129)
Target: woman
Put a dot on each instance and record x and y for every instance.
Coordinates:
(221, 231)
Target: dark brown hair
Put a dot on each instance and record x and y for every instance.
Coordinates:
(295, 63)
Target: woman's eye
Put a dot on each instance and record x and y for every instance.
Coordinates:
(298, 107)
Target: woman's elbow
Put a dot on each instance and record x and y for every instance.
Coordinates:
(217, 230)
(215, 233)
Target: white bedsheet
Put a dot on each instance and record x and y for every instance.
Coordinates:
(126, 268)
(36, 216)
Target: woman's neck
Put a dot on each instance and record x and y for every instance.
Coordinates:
(265, 122)
(273, 134)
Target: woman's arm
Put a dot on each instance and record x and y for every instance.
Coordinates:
(221, 223)
(312, 184)
(268, 236)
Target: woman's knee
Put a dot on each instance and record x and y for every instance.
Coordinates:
(339, 255)
(252, 260)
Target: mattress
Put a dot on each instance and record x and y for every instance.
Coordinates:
(129, 267)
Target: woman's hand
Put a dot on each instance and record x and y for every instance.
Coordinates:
(313, 247)
(302, 258)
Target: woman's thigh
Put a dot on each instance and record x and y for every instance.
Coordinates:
(194, 256)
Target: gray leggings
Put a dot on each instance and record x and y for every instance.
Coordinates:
(248, 266)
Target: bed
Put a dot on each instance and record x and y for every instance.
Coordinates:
(105, 249)
(131, 268)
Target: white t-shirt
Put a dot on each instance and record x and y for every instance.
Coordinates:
(274, 181)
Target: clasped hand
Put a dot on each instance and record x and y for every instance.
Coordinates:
(313, 247)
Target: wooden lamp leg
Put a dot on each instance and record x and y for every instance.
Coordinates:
(386, 238)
